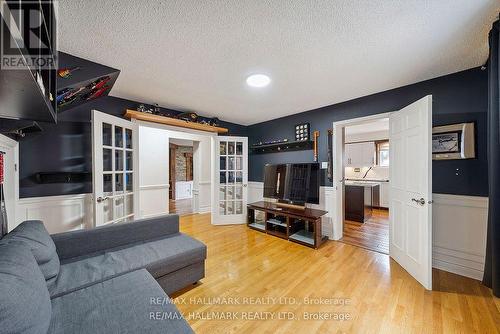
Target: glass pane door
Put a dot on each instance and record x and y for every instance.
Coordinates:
(113, 171)
(232, 178)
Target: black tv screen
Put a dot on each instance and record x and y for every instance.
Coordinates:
(292, 183)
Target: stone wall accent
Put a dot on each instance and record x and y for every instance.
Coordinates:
(180, 162)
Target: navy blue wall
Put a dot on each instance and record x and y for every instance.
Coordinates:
(458, 97)
(67, 147)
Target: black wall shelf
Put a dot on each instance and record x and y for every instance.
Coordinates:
(283, 147)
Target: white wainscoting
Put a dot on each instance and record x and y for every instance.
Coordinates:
(459, 234)
(205, 200)
(459, 223)
(459, 229)
(58, 213)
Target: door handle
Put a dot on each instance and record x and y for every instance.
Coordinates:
(419, 201)
(102, 199)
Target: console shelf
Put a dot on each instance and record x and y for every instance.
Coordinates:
(257, 226)
(303, 236)
(296, 225)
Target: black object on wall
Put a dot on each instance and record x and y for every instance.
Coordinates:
(91, 81)
(459, 97)
(67, 148)
(20, 89)
(492, 262)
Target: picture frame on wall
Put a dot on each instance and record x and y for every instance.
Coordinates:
(454, 141)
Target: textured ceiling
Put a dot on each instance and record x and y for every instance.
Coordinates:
(195, 55)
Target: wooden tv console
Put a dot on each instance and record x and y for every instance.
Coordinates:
(302, 226)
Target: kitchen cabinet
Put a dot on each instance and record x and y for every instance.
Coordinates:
(360, 154)
(384, 194)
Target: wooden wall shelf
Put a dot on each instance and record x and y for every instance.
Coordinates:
(142, 116)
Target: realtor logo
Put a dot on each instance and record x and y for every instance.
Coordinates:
(28, 34)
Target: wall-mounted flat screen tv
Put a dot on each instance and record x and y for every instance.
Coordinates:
(292, 183)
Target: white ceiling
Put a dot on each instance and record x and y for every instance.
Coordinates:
(195, 55)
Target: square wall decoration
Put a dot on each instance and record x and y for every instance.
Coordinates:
(302, 132)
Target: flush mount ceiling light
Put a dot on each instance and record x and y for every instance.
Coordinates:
(258, 80)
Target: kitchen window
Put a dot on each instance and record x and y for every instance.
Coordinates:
(383, 153)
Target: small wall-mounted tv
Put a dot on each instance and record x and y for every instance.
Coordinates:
(292, 183)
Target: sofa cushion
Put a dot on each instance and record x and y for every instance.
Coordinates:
(125, 304)
(159, 257)
(36, 237)
(24, 299)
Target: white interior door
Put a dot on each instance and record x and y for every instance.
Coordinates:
(411, 189)
(231, 180)
(114, 165)
(339, 150)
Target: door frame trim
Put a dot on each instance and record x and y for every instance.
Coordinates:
(338, 160)
(197, 137)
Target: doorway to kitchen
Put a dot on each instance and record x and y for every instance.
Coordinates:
(181, 176)
(366, 185)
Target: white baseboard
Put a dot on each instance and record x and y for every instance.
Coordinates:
(205, 209)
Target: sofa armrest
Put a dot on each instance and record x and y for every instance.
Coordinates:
(84, 242)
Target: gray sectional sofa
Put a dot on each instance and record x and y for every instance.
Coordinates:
(112, 279)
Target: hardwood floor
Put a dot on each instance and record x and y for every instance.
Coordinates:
(372, 234)
(369, 287)
(181, 206)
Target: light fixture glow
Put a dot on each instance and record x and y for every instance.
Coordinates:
(258, 80)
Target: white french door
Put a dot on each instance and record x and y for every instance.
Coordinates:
(231, 180)
(411, 189)
(114, 169)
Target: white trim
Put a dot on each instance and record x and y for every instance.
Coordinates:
(339, 173)
(154, 186)
(11, 148)
(461, 200)
(362, 120)
(202, 189)
(205, 209)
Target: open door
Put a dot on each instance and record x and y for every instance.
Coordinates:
(114, 169)
(231, 180)
(338, 176)
(411, 189)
